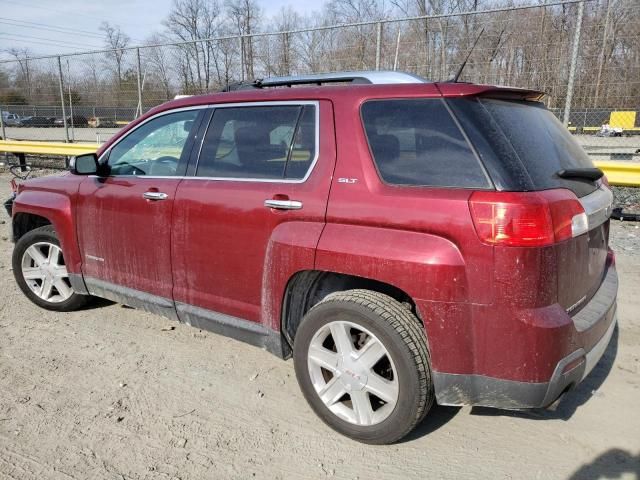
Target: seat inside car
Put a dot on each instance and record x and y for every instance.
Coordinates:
(258, 157)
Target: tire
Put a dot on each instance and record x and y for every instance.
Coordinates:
(406, 393)
(61, 297)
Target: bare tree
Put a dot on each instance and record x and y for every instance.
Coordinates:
(246, 16)
(357, 43)
(22, 58)
(189, 21)
(116, 41)
(157, 64)
(279, 51)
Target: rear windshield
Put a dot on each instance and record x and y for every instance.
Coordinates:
(417, 142)
(529, 131)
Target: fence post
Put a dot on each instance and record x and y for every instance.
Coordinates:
(73, 131)
(241, 38)
(139, 109)
(574, 62)
(378, 44)
(4, 135)
(64, 112)
(395, 58)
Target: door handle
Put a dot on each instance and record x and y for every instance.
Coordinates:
(283, 204)
(155, 196)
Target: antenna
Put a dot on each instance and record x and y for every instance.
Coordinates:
(464, 64)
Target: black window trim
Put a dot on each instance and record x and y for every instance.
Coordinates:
(490, 185)
(298, 103)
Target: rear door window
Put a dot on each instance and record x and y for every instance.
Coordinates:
(259, 142)
(416, 142)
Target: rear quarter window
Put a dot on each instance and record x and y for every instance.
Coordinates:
(416, 142)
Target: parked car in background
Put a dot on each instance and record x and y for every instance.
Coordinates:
(405, 242)
(103, 122)
(72, 121)
(11, 119)
(37, 122)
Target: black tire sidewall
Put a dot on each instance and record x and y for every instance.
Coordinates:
(404, 414)
(42, 234)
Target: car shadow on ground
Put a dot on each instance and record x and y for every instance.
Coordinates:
(97, 302)
(613, 463)
(437, 417)
(570, 403)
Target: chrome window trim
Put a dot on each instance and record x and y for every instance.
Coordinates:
(144, 122)
(271, 103)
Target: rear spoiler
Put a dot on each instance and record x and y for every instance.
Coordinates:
(450, 89)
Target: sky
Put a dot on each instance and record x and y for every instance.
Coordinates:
(48, 27)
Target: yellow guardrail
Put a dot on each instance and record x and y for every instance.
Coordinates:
(47, 148)
(624, 174)
(618, 173)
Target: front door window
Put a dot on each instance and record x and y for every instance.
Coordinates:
(155, 148)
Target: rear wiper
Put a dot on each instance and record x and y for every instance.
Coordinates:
(592, 174)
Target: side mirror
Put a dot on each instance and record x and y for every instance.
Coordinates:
(86, 164)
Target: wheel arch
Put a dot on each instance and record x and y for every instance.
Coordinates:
(24, 222)
(307, 288)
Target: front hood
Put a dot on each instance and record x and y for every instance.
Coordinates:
(65, 182)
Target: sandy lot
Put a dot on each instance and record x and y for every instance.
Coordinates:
(115, 393)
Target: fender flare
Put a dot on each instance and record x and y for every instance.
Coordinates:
(56, 208)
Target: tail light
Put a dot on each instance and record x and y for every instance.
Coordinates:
(527, 219)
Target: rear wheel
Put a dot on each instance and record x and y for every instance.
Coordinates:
(41, 272)
(362, 363)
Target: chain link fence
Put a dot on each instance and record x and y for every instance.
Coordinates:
(584, 54)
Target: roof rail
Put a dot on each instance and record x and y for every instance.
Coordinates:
(362, 77)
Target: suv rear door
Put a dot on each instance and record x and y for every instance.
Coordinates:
(259, 184)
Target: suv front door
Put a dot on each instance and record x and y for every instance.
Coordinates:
(260, 187)
(125, 218)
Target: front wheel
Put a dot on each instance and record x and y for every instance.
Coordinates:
(362, 363)
(41, 272)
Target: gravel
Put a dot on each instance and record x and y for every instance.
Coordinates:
(624, 237)
(628, 198)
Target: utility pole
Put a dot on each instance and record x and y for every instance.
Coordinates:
(574, 62)
(64, 110)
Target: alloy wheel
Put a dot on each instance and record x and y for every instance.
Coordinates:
(45, 272)
(353, 373)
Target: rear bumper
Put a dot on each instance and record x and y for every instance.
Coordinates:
(592, 329)
(456, 389)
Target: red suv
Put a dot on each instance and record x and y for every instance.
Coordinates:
(404, 241)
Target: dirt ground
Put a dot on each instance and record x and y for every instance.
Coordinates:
(115, 393)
